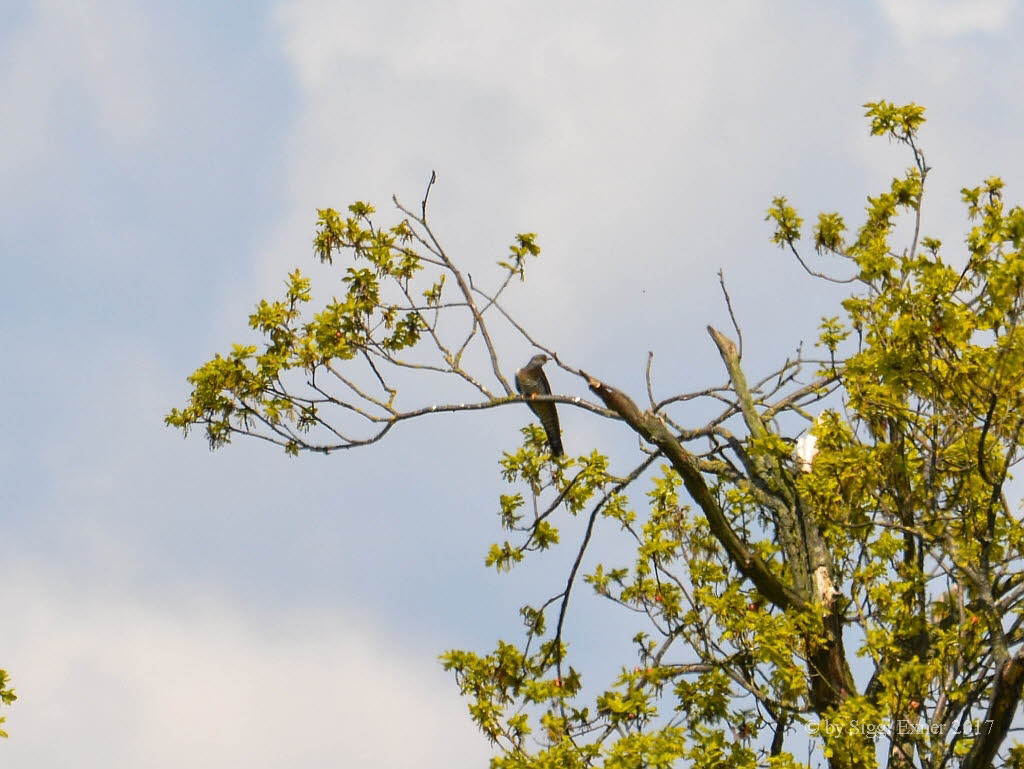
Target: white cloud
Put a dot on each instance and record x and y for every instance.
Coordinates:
(607, 131)
(915, 19)
(109, 680)
(185, 674)
(68, 56)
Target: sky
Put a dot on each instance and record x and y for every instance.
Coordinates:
(162, 165)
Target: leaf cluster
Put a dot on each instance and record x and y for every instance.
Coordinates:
(772, 602)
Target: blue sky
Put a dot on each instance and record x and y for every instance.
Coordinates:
(162, 165)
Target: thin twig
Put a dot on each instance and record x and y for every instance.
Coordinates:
(426, 194)
(732, 315)
(821, 275)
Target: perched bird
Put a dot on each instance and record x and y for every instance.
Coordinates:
(530, 381)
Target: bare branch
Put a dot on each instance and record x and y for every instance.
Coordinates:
(651, 429)
(732, 316)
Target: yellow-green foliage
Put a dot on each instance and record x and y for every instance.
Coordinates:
(7, 696)
(917, 420)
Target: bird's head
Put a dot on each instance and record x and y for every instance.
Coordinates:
(537, 361)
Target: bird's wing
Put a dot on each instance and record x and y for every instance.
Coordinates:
(542, 378)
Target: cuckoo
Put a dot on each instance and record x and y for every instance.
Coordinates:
(531, 382)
